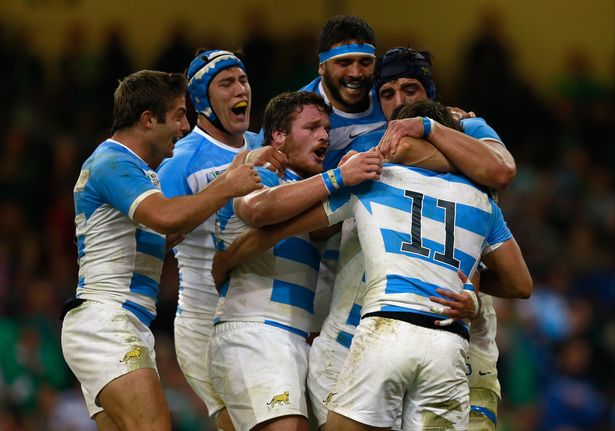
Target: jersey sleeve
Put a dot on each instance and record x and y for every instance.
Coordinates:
(339, 206)
(268, 178)
(123, 184)
(498, 232)
(479, 129)
(172, 175)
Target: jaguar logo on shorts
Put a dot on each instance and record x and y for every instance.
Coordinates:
(328, 399)
(279, 399)
(133, 354)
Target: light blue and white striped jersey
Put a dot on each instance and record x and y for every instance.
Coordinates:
(119, 259)
(275, 287)
(197, 160)
(347, 126)
(416, 229)
(345, 311)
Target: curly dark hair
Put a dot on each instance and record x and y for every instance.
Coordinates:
(283, 108)
(343, 28)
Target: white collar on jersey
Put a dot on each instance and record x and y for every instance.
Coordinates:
(222, 145)
(122, 145)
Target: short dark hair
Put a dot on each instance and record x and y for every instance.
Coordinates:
(342, 28)
(146, 90)
(427, 108)
(283, 108)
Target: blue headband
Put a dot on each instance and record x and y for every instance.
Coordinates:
(352, 48)
(202, 70)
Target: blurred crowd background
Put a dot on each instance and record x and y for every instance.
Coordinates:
(557, 349)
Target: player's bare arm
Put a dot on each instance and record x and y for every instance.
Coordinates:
(255, 241)
(507, 275)
(276, 204)
(183, 213)
(484, 161)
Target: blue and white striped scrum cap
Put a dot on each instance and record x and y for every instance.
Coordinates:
(202, 70)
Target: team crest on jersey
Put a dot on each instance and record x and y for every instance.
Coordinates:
(153, 177)
(279, 399)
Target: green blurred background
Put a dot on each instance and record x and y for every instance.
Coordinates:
(540, 72)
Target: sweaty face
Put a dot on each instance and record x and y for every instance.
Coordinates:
(348, 80)
(174, 128)
(230, 97)
(307, 141)
(401, 91)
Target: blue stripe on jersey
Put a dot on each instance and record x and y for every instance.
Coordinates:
(286, 327)
(142, 314)
(80, 246)
(345, 339)
(298, 250)
(293, 294)
(331, 254)
(150, 243)
(499, 230)
(144, 285)
(224, 288)
(392, 244)
(80, 282)
(354, 317)
(401, 284)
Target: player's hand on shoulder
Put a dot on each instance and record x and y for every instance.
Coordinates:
(242, 180)
(459, 114)
(270, 158)
(362, 166)
(398, 129)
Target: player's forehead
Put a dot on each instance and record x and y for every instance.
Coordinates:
(398, 83)
(311, 114)
(231, 73)
(176, 105)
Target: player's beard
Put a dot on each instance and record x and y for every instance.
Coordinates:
(336, 94)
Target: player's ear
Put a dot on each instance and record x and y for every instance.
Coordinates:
(147, 119)
(321, 69)
(278, 138)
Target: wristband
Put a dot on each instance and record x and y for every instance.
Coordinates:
(427, 126)
(327, 181)
(338, 177)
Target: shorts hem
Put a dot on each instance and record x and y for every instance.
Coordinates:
(359, 418)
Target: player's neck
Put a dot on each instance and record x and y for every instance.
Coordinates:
(132, 140)
(235, 141)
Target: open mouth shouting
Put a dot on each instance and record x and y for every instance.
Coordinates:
(320, 152)
(240, 108)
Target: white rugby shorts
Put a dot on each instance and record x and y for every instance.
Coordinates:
(259, 371)
(192, 337)
(395, 369)
(101, 342)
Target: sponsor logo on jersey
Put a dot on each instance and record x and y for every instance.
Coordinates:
(153, 177)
